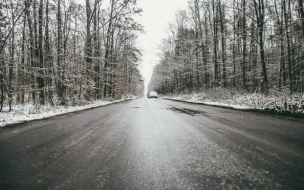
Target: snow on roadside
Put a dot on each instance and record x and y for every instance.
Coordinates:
(28, 112)
(283, 103)
(195, 99)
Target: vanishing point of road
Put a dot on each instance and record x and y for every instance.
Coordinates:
(154, 144)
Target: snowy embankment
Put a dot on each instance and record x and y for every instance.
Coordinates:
(274, 103)
(28, 112)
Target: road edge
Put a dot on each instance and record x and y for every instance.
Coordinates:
(268, 111)
(17, 124)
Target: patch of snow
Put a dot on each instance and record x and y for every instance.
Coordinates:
(28, 112)
(223, 97)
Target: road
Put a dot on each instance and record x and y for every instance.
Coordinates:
(154, 144)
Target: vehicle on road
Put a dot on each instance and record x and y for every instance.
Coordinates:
(152, 94)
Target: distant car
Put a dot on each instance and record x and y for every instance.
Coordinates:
(152, 94)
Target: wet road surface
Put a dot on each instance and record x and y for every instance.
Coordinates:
(154, 144)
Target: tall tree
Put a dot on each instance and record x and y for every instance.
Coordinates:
(59, 70)
(244, 38)
(301, 10)
(215, 41)
(40, 53)
(260, 19)
(288, 45)
(223, 39)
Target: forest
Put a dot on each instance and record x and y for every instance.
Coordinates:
(60, 52)
(238, 46)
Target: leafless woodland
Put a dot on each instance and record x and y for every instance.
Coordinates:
(249, 46)
(62, 52)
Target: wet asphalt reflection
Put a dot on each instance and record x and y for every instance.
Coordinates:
(154, 144)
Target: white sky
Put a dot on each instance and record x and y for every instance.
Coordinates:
(155, 18)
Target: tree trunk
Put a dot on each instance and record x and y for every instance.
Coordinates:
(301, 10)
(215, 42)
(288, 47)
(11, 62)
(108, 53)
(244, 35)
(260, 16)
(31, 52)
(222, 19)
(48, 57)
(23, 59)
(88, 46)
(58, 70)
(40, 55)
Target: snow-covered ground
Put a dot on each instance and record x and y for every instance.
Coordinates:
(280, 103)
(28, 112)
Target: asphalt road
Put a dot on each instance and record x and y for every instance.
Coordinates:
(154, 144)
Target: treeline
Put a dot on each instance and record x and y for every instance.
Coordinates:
(61, 52)
(252, 46)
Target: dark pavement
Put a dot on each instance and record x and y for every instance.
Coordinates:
(154, 144)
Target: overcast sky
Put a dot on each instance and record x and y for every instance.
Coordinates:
(155, 18)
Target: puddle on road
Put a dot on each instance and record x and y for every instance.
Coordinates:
(187, 111)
